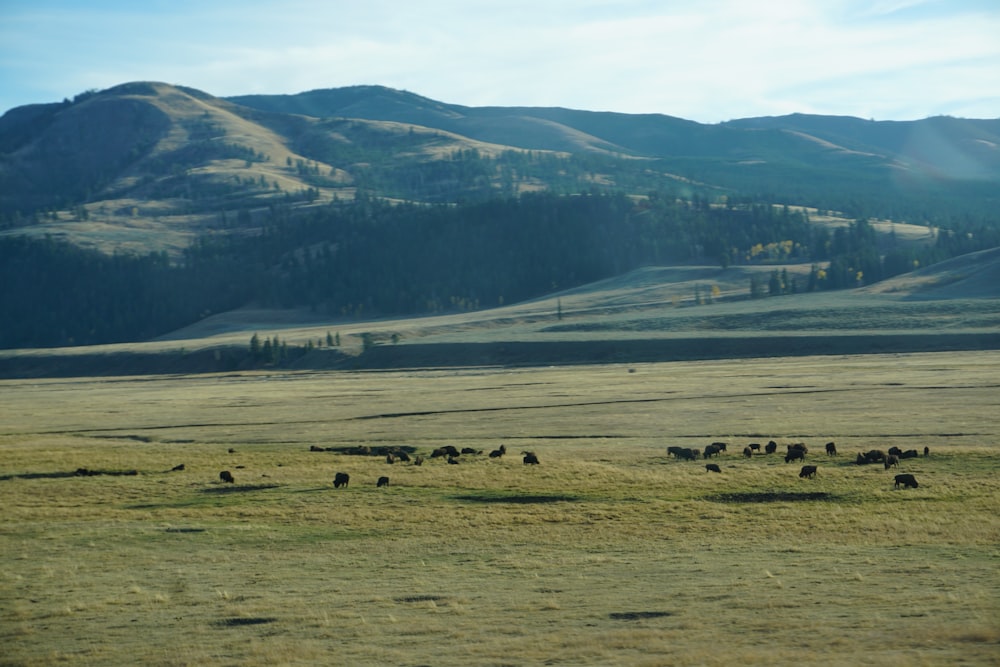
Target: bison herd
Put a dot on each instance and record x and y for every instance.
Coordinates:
(797, 452)
(793, 452)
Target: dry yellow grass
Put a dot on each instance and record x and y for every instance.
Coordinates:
(608, 552)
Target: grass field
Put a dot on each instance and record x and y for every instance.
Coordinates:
(608, 552)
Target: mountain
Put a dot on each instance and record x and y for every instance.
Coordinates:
(133, 211)
(149, 150)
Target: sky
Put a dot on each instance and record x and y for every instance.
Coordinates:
(703, 60)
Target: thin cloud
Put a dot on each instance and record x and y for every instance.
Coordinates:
(709, 61)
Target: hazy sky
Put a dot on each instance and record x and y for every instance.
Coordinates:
(705, 60)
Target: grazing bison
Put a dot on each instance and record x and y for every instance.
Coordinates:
(452, 461)
(447, 450)
(831, 449)
(389, 458)
(382, 481)
(895, 451)
(907, 480)
(871, 456)
(674, 451)
(891, 460)
(711, 451)
(808, 471)
(530, 458)
(418, 461)
(712, 467)
(755, 446)
(470, 450)
(341, 479)
(909, 454)
(799, 445)
(771, 447)
(226, 476)
(747, 453)
(499, 452)
(688, 453)
(795, 454)
(720, 445)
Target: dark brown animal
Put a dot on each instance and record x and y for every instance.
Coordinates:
(389, 458)
(871, 456)
(891, 460)
(530, 458)
(382, 481)
(499, 452)
(418, 461)
(177, 468)
(341, 479)
(226, 476)
(795, 455)
(720, 445)
(908, 481)
(747, 453)
(452, 461)
(755, 446)
(895, 451)
(470, 450)
(808, 471)
(831, 449)
(674, 451)
(689, 453)
(402, 456)
(909, 454)
(711, 451)
(712, 467)
(927, 451)
(315, 448)
(799, 445)
(771, 447)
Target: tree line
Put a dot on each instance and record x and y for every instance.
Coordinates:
(372, 257)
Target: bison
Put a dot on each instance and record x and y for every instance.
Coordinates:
(909, 454)
(755, 446)
(226, 476)
(871, 456)
(895, 451)
(771, 447)
(530, 458)
(382, 481)
(747, 453)
(720, 445)
(341, 479)
(795, 454)
(712, 450)
(891, 460)
(831, 449)
(712, 467)
(799, 445)
(688, 453)
(907, 480)
(499, 452)
(927, 451)
(808, 471)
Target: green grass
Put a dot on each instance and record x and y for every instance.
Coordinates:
(608, 552)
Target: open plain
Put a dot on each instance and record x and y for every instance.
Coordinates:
(607, 552)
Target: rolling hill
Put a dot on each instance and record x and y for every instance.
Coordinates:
(372, 202)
